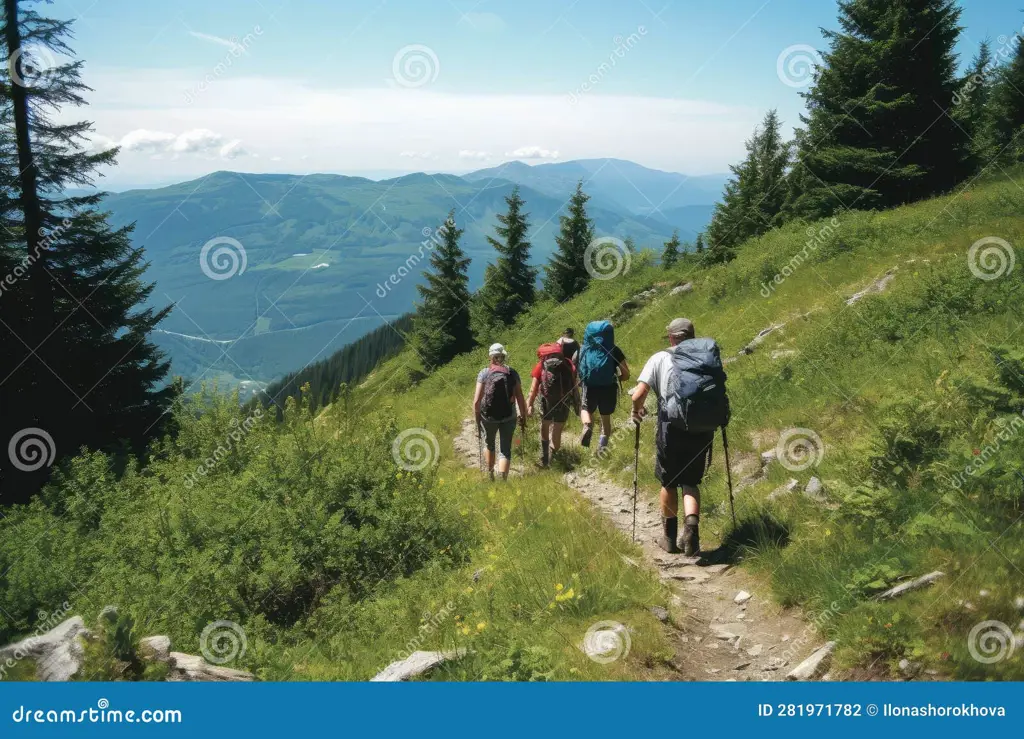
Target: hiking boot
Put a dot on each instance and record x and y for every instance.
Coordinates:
(545, 455)
(689, 541)
(602, 443)
(588, 433)
(667, 540)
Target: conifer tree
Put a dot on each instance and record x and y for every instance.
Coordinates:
(1007, 109)
(441, 327)
(972, 109)
(566, 274)
(78, 364)
(699, 243)
(670, 255)
(876, 135)
(510, 283)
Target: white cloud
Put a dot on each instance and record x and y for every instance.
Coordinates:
(358, 130)
(531, 152)
(201, 141)
(475, 156)
(483, 22)
(226, 42)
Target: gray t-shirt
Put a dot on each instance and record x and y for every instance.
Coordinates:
(656, 372)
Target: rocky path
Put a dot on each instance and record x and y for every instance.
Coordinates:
(723, 625)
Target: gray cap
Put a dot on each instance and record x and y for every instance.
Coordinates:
(680, 327)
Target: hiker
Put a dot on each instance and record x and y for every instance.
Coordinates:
(601, 367)
(498, 392)
(569, 344)
(689, 383)
(554, 378)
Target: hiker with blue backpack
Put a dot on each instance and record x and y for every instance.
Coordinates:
(689, 382)
(601, 366)
(498, 392)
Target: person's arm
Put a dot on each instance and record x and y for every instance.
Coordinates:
(623, 371)
(521, 401)
(477, 397)
(639, 397)
(534, 389)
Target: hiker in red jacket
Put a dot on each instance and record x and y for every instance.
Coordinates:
(554, 379)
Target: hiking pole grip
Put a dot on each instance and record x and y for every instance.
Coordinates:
(728, 476)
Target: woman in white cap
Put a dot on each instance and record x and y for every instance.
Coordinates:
(498, 392)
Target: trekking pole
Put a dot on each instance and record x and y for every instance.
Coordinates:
(728, 476)
(480, 444)
(636, 479)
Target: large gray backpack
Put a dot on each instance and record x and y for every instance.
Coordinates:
(696, 400)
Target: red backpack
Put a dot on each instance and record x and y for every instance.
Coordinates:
(556, 376)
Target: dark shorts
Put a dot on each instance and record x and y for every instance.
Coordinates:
(558, 414)
(682, 458)
(600, 399)
(504, 431)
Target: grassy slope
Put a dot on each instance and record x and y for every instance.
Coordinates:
(899, 387)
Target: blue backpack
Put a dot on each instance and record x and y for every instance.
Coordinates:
(697, 401)
(596, 366)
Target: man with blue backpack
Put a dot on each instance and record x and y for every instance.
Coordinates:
(600, 366)
(689, 382)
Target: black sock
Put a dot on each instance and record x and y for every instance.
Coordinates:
(692, 520)
(545, 447)
(671, 527)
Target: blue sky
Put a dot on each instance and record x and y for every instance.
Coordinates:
(311, 85)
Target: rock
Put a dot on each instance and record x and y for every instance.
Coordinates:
(415, 664)
(786, 489)
(759, 339)
(814, 665)
(984, 593)
(742, 666)
(742, 597)
(688, 573)
(1018, 603)
(921, 582)
(755, 651)
(687, 288)
(660, 613)
(728, 632)
(478, 574)
(57, 654)
(814, 490)
(785, 637)
(190, 668)
(908, 668)
(628, 305)
(775, 663)
(877, 286)
(740, 616)
(155, 648)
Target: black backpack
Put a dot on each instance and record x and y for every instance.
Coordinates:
(697, 400)
(497, 401)
(556, 379)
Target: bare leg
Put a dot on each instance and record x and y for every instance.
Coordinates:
(556, 435)
(585, 417)
(503, 468)
(545, 427)
(669, 503)
(489, 458)
(691, 500)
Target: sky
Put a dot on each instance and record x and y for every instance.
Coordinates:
(382, 87)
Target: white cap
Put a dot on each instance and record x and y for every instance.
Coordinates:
(496, 349)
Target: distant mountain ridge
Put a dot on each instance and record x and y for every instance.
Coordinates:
(318, 249)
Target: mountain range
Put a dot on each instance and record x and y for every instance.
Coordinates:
(297, 266)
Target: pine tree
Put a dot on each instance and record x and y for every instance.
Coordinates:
(876, 132)
(441, 327)
(566, 274)
(670, 255)
(78, 364)
(699, 244)
(1007, 103)
(972, 110)
(509, 286)
(754, 197)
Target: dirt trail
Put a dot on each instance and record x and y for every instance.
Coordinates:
(716, 638)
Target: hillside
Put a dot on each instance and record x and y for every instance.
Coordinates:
(319, 251)
(337, 545)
